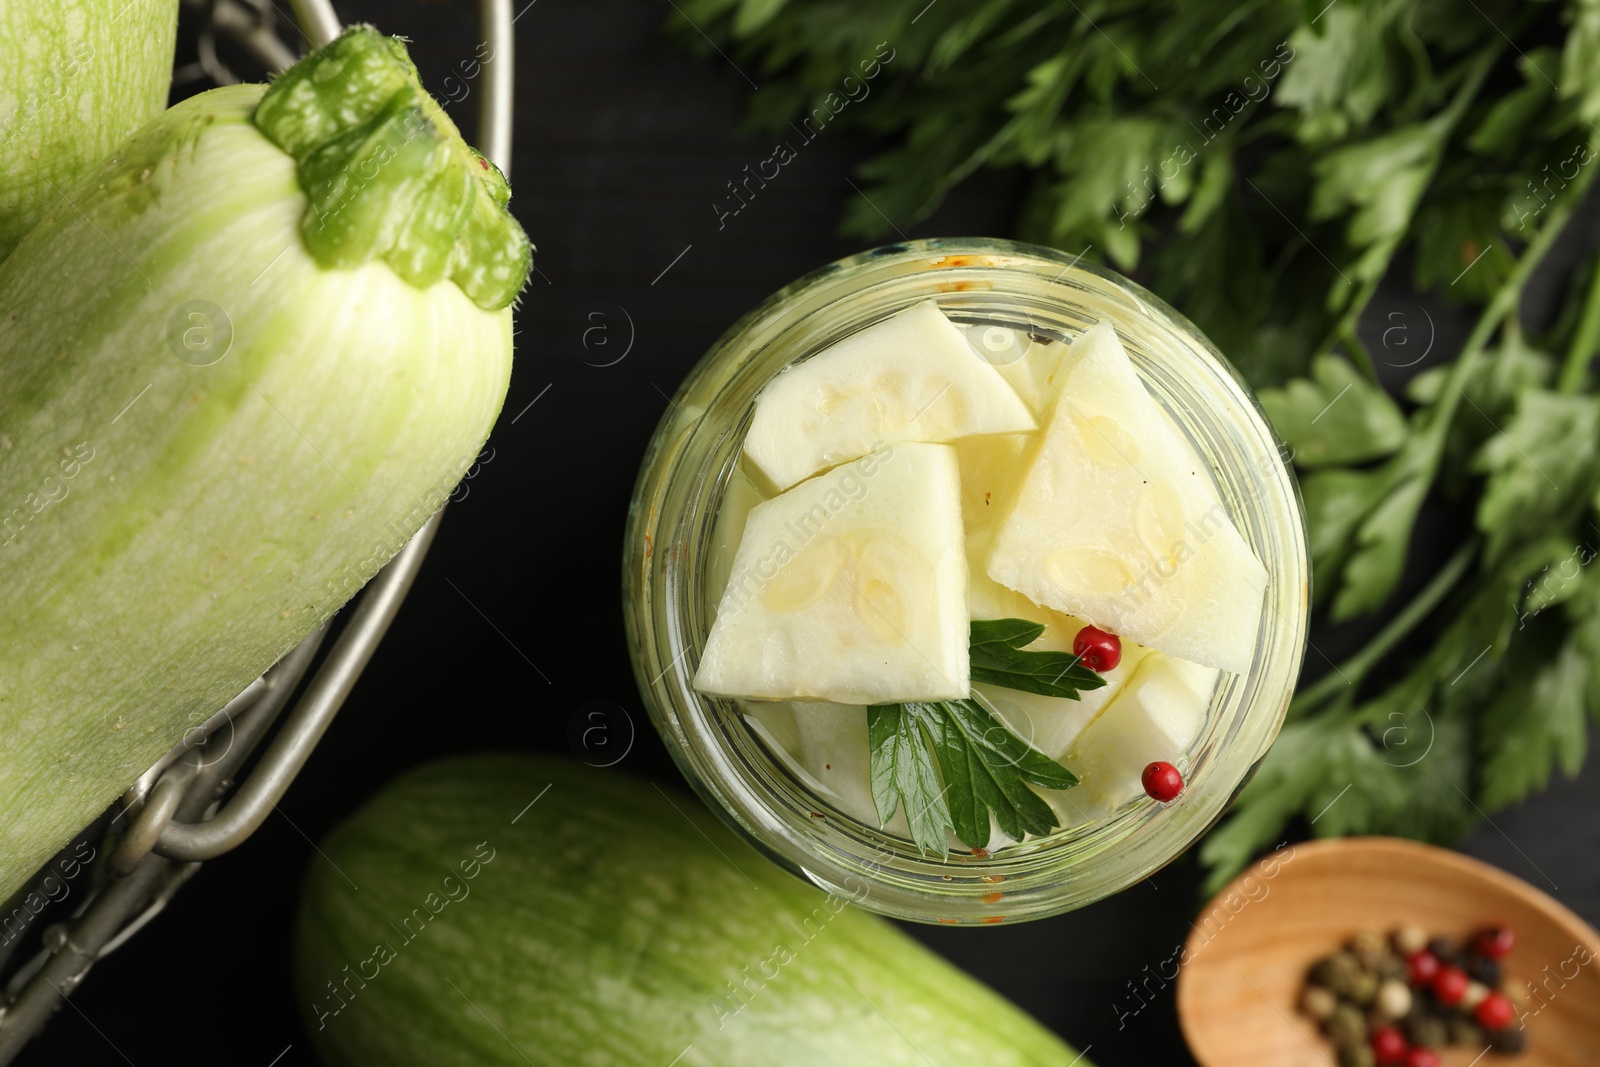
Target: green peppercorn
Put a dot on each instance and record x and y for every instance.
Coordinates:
(1340, 972)
(1368, 947)
(1365, 989)
(1425, 1003)
(1463, 1031)
(1427, 1031)
(1393, 966)
(1347, 1026)
(1356, 1056)
(1482, 969)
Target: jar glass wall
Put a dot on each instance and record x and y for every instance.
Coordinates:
(670, 596)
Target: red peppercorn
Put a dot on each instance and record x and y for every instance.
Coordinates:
(1389, 1045)
(1162, 781)
(1098, 650)
(1494, 1012)
(1496, 942)
(1424, 967)
(1450, 985)
(1422, 1057)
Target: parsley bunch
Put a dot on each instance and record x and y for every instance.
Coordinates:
(1264, 165)
(1258, 164)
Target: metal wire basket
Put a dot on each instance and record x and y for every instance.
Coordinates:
(186, 808)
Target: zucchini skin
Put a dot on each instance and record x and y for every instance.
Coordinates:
(76, 77)
(171, 525)
(609, 923)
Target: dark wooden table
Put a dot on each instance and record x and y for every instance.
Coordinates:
(623, 146)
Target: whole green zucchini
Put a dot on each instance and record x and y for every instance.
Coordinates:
(238, 371)
(501, 910)
(76, 77)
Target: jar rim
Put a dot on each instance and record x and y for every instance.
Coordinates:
(678, 495)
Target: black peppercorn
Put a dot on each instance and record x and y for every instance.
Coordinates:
(1511, 1039)
(1433, 1007)
(1483, 969)
(1447, 950)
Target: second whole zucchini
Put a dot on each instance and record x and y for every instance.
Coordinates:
(505, 909)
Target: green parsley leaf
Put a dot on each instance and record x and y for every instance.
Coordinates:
(983, 765)
(1334, 417)
(1395, 766)
(1502, 129)
(1541, 466)
(985, 768)
(1379, 183)
(1381, 544)
(1342, 72)
(1580, 59)
(1556, 569)
(904, 777)
(1460, 248)
(1337, 502)
(998, 658)
(1493, 383)
(1582, 616)
(1533, 727)
(1216, 182)
(1292, 778)
(1488, 398)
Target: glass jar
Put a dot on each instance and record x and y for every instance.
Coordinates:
(669, 606)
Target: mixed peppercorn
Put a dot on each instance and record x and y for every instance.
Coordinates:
(1394, 1001)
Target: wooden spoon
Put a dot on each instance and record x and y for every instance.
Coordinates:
(1246, 959)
